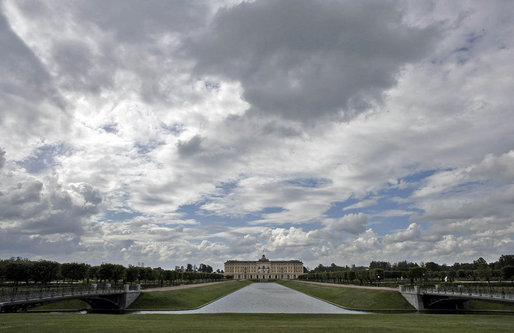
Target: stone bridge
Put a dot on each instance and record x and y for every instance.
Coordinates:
(99, 298)
(454, 298)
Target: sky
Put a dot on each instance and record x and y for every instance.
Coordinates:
(175, 132)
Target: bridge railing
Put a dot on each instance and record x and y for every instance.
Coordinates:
(460, 290)
(30, 294)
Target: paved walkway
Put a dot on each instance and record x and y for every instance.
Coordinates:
(266, 298)
(348, 285)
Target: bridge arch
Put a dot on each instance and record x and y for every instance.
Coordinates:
(446, 303)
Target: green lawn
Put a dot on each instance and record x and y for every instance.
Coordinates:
(36, 322)
(183, 299)
(353, 298)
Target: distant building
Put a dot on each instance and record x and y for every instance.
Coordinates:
(264, 269)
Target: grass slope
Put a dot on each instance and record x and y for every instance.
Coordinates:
(354, 298)
(484, 305)
(33, 322)
(183, 299)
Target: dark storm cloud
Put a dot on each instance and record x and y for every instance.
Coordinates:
(24, 82)
(22, 74)
(134, 21)
(306, 59)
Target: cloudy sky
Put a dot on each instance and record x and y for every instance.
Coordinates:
(169, 132)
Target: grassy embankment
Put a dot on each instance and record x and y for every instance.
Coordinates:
(483, 305)
(180, 299)
(365, 299)
(353, 298)
(412, 322)
(183, 299)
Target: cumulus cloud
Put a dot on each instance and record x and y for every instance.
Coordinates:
(44, 207)
(412, 233)
(352, 223)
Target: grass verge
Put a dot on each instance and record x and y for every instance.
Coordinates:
(352, 298)
(36, 322)
(184, 299)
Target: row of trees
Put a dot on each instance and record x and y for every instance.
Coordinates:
(503, 268)
(364, 275)
(44, 271)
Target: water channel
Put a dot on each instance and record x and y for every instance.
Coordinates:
(264, 298)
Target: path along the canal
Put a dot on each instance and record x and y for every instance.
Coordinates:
(265, 298)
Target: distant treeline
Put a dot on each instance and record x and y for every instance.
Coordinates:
(503, 268)
(18, 270)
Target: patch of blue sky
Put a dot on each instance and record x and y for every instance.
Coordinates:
(270, 210)
(117, 216)
(309, 182)
(417, 176)
(43, 157)
(463, 51)
(194, 211)
(467, 187)
(211, 85)
(175, 129)
(148, 147)
(383, 208)
(226, 187)
(110, 128)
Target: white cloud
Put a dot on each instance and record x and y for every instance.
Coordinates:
(412, 233)
(352, 223)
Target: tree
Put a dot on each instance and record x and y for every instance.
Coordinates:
(159, 274)
(18, 270)
(189, 268)
(362, 275)
(432, 266)
(93, 273)
(508, 272)
(105, 271)
(132, 273)
(44, 271)
(118, 273)
(482, 269)
(403, 266)
(74, 271)
(3, 264)
(377, 273)
(416, 273)
(147, 274)
(380, 264)
(506, 260)
(205, 268)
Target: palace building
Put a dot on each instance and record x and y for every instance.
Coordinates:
(264, 269)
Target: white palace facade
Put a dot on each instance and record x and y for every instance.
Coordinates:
(264, 269)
